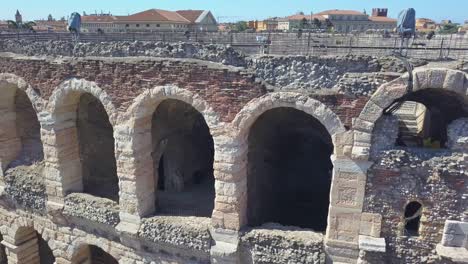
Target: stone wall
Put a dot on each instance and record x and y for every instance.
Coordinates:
(230, 100)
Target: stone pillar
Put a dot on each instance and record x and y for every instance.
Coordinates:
(229, 214)
(135, 170)
(63, 165)
(230, 171)
(23, 251)
(346, 203)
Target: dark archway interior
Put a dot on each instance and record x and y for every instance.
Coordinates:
(413, 212)
(99, 256)
(29, 131)
(289, 170)
(93, 255)
(183, 154)
(442, 107)
(46, 255)
(3, 255)
(96, 141)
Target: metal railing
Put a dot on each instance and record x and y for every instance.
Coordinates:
(440, 47)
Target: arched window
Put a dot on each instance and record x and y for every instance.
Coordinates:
(84, 142)
(413, 213)
(424, 116)
(183, 154)
(96, 149)
(20, 132)
(289, 170)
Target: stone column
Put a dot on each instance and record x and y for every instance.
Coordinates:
(229, 214)
(24, 251)
(346, 203)
(135, 170)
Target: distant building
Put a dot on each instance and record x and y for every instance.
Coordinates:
(426, 25)
(350, 20)
(152, 20)
(300, 21)
(99, 23)
(50, 25)
(3, 25)
(200, 20)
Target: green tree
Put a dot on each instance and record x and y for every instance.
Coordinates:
(27, 25)
(241, 26)
(317, 23)
(304, 23)
(449, 28)
(328, 24)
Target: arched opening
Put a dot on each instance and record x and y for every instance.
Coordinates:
(424, 116)
(96, 149)
(413, 213)
(29, 131)
(90, 254)
(20, 133)
(183, 154)
(3, 255)
(36, 249)
(289, 170)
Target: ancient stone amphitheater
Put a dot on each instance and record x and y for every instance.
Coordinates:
(191, 160)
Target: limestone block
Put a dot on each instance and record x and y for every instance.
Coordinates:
(455, 81)
(362, 125)
(429, 78)
(457, 255)
(371, 224)
(389, 92)
(347, 190)
(455, 234)
(371, 112)
(372, 244)
(362, 139)
(343, 224)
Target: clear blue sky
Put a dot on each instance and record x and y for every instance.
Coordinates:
(231, 10)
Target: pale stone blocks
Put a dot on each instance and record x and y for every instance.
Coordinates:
(371, 224)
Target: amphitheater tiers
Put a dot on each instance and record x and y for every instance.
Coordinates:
(165, 160)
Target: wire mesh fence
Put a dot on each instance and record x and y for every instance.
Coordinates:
(453, 46)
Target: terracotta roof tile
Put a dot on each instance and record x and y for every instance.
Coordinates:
(382, 19)
(102, 19)
(340, 12)
(156, 15)
(190, 15)
(300, 17)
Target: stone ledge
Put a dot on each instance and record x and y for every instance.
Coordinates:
(274, 243)
(372, 244)
(95, 209)
(183, 232)
(458, 255)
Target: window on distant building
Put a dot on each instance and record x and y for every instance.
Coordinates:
(157, 25)
(147, 25)
(127, 25)
(137, 25)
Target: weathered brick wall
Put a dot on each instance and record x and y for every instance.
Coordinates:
(225, 89)
(231, 100)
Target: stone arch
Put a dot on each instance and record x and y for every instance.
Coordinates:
(90, 253)
(139, 118)
(308, 110)
(84, 155)
(30, 247)
(434, 81)
(20, 132)
(249, 113)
